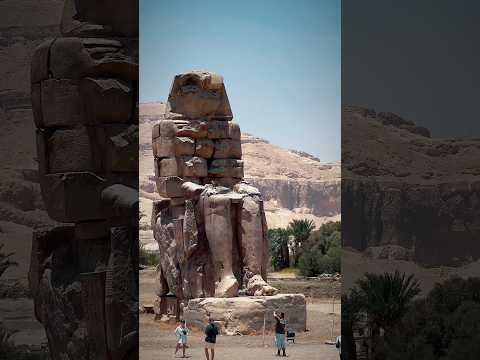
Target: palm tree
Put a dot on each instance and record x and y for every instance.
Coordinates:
(386, 299)
(279, 248)
(300, 230)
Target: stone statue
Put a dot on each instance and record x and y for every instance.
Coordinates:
(210, 224)
(84, 274)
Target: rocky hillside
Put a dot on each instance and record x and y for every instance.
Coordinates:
(295, 185)
(408, 196)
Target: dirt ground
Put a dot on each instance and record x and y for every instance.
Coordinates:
(157, 340)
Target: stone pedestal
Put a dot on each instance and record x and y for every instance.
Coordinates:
(245, 315)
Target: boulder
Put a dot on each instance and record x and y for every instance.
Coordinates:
(245, 315)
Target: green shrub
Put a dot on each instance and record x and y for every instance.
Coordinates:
(322, 251)
(148, 258)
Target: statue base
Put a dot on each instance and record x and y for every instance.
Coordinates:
(246, 315)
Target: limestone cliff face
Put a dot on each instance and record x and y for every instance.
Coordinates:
(310, 197)
(417, 199)
(292, 179)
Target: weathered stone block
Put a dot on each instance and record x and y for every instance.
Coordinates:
(245, 315)
(204, 148)
(107, 100)
(227, 149)
(61, 103)
(122, 148)
(168, 128)
(76, 58)
(169, 167)
(163, 147)
(169, 186)
(184, 146)
(218, 129)
(196, 129)
(39, 64)
(234, 131)
(69, 59)
(194, 167)
(73, 197)
(69, 150)
(226, 168)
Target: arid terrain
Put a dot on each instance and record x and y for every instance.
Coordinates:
(412, 206)
(157, 339)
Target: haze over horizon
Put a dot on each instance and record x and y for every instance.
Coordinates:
(280, 61)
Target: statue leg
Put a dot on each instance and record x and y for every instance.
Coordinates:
(253, 240)
(218, 228)
(252, 235)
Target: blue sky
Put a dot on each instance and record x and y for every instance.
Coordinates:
(280, 61)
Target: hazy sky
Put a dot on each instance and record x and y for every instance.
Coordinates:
(419, 59)
(280, 60)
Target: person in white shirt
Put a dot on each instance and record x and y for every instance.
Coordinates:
(181, 331)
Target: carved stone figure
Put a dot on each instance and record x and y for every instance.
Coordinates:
(84, 274)
(210, 225)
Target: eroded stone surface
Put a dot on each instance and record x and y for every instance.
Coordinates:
(244, 315)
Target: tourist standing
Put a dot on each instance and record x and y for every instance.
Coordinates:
(211, 332)
(280, 326)
(181, 331)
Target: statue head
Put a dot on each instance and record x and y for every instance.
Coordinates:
(199, 94)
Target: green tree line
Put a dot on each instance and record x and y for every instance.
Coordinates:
(300, 245)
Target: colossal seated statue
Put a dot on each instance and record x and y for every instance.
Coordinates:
(210, 224)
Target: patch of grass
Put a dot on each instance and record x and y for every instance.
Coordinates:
(289, 270)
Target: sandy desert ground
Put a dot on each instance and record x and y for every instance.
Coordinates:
(157, 340)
